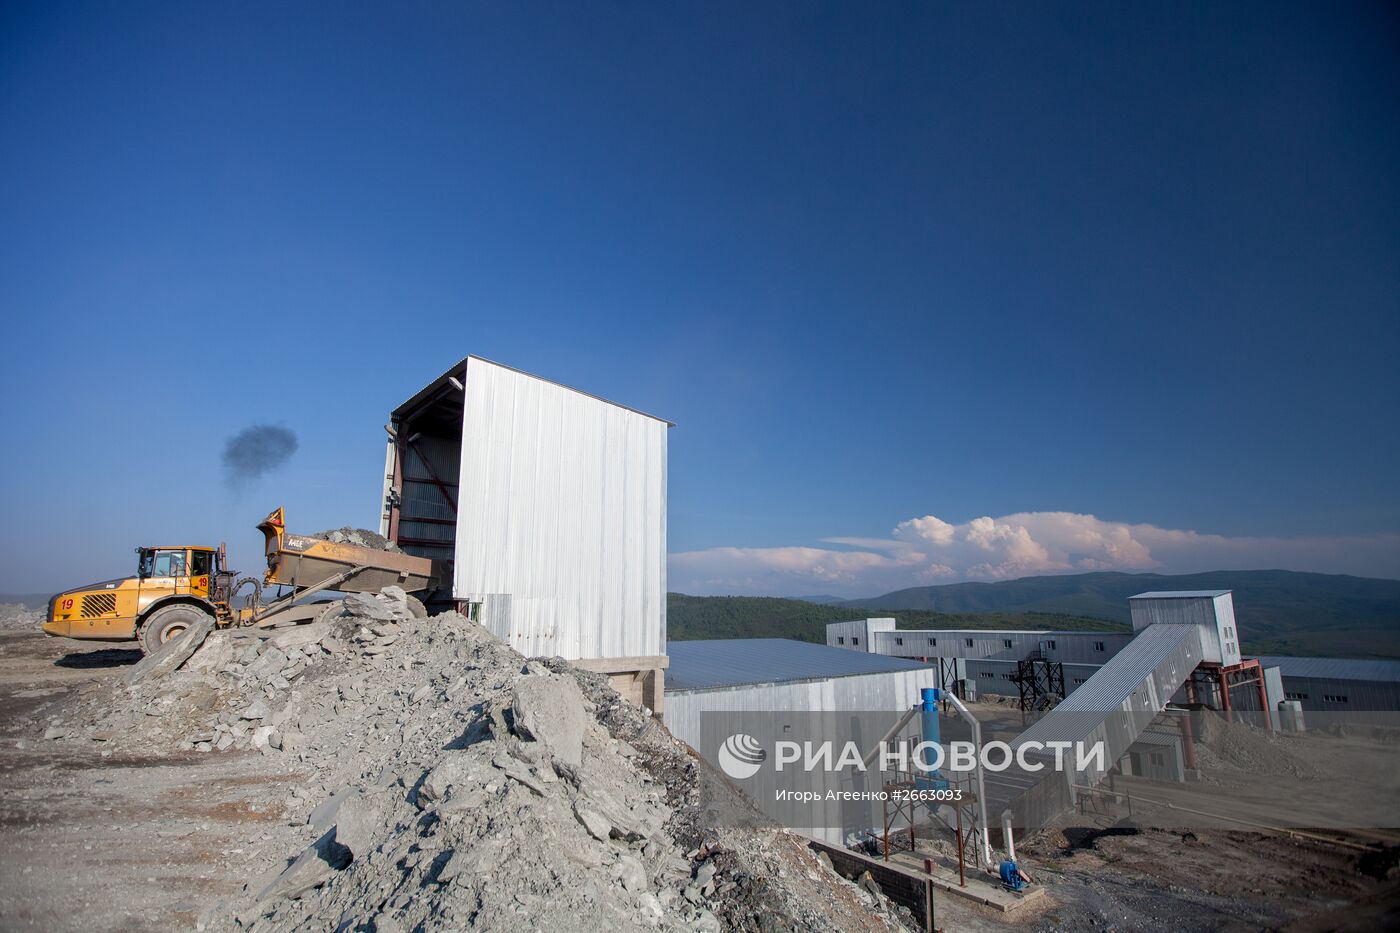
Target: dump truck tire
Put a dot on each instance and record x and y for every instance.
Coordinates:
(415, 606)
(165, 624)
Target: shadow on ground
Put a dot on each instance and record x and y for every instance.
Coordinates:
(105, 657)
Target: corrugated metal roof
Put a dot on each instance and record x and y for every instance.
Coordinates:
(1335, 668)
(1153, 737)
(456, 371)
(1126, 670)
(1099, 701)
(731, 662)
(1181, 594)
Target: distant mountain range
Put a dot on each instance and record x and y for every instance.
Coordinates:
(1279, 611)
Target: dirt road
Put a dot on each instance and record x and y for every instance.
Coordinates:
(93, 840)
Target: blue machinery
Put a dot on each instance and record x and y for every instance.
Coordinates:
(927, 711)
(929, 732)
(1010, 872)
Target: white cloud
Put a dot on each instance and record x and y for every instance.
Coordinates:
(928, 550)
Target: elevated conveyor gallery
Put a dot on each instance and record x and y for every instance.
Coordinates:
(1114, 707)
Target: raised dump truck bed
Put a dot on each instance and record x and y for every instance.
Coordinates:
(309, 565)
(303, 561)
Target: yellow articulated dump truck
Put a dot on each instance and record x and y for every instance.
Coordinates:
(177, 586)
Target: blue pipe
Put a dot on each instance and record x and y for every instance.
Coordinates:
(928, 715)
(929, 731)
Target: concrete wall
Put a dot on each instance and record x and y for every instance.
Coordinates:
(561, 519)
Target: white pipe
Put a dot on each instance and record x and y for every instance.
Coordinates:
(893, 731)
(981, 785)
(1006, 832)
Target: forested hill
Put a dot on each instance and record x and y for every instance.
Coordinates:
(692, 617)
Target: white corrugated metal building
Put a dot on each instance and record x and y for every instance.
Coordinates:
(1211, 611)
(546, 508)
(741, 680)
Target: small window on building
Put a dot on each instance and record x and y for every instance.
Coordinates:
(1052, 645)
(933, 641)
(969, 642)
(1006, 643)
(899, 641)
(1078, 681)
(1296, 696)
(1334, 698)
(1098, 646)
(1157, 759)
(854, 640)
(840, 639)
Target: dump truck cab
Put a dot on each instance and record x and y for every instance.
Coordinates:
(174, 586)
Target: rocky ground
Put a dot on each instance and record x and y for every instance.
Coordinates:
(375, 771)
(380, 772)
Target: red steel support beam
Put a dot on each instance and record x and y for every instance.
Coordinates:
(437, 481)
(1188, 733)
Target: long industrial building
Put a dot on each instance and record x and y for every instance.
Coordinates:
(771, 688)
(982, 661)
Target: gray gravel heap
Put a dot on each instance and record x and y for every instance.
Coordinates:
(361, 537)
(448, 782)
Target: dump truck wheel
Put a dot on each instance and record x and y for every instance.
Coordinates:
(332, 611)
(165, 624)
(416, 607)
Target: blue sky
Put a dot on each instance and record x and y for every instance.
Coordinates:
(961, 261)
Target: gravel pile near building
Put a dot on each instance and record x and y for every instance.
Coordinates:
(361, 537)
(448, 782)
(1226, 748)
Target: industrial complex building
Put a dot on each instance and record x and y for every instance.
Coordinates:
(1005, 661)
(545, 508)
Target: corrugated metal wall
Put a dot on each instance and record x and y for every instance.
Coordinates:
(1211, 614)
(561, 521)
(859, 634)
(894, 692)
(1065, 647)
(1331, 695)
(426, 516)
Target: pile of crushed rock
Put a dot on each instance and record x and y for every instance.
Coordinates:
(449, 782)
(1224, 750)
(361, 537)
